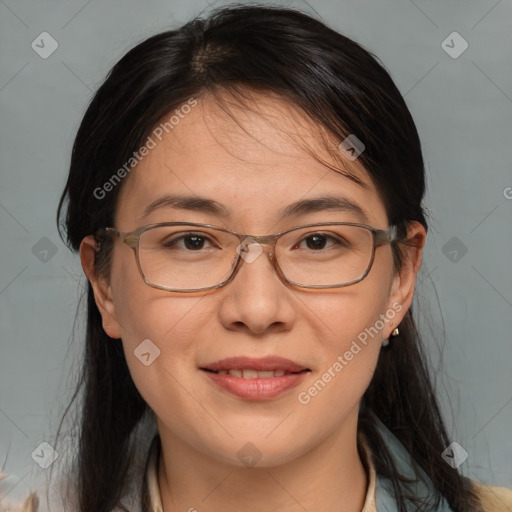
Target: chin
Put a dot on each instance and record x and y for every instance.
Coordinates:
(253, 451)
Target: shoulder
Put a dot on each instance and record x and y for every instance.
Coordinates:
(493, 499)
(31, 504)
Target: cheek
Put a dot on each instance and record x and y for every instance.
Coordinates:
(357, 313)
(157, 330)
(144, 312)
(333, 392)
(349, 326)
(168, 327)
(169, 382)
(160, 346)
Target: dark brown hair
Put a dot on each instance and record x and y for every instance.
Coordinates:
(341, 87)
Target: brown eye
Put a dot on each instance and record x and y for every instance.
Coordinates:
(191, 241)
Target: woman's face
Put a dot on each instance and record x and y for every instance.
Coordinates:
(335, 334)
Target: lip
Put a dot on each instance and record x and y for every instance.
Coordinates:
(256, 389)
(259, 364)
(259, 388)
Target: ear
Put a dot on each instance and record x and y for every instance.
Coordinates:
(402, 288)
(102, 289)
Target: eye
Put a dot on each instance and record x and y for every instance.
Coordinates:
(191, 241)
(318, 241)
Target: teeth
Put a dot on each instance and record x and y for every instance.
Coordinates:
(262, 375)
(253, 374)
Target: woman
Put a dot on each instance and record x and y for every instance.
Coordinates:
(246, 196)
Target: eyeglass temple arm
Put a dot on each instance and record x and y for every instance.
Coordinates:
(383, 237)
(130, 240)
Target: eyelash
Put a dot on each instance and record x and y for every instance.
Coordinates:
(174, 241)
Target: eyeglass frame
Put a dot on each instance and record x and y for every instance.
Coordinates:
(380, 237)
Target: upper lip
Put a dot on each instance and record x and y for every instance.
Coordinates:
(271, 363)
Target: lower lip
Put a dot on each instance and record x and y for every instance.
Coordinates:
(256, 389)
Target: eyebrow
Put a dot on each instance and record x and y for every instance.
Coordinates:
(296, 209)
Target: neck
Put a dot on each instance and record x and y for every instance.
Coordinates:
(327, 478)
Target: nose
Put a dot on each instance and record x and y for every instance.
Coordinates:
(257, 300)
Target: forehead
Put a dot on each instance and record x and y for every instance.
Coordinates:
(252, 159)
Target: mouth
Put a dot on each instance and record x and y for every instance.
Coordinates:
(254, 368)
(255, 379)
(250, 373)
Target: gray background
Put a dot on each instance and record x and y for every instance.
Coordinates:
(463, 110)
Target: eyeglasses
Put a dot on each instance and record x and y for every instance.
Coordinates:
(191, 257)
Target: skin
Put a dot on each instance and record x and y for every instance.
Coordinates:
(309, 459)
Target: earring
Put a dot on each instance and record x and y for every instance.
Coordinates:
(395, 332)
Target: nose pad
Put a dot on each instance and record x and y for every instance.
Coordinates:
(250, 250)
